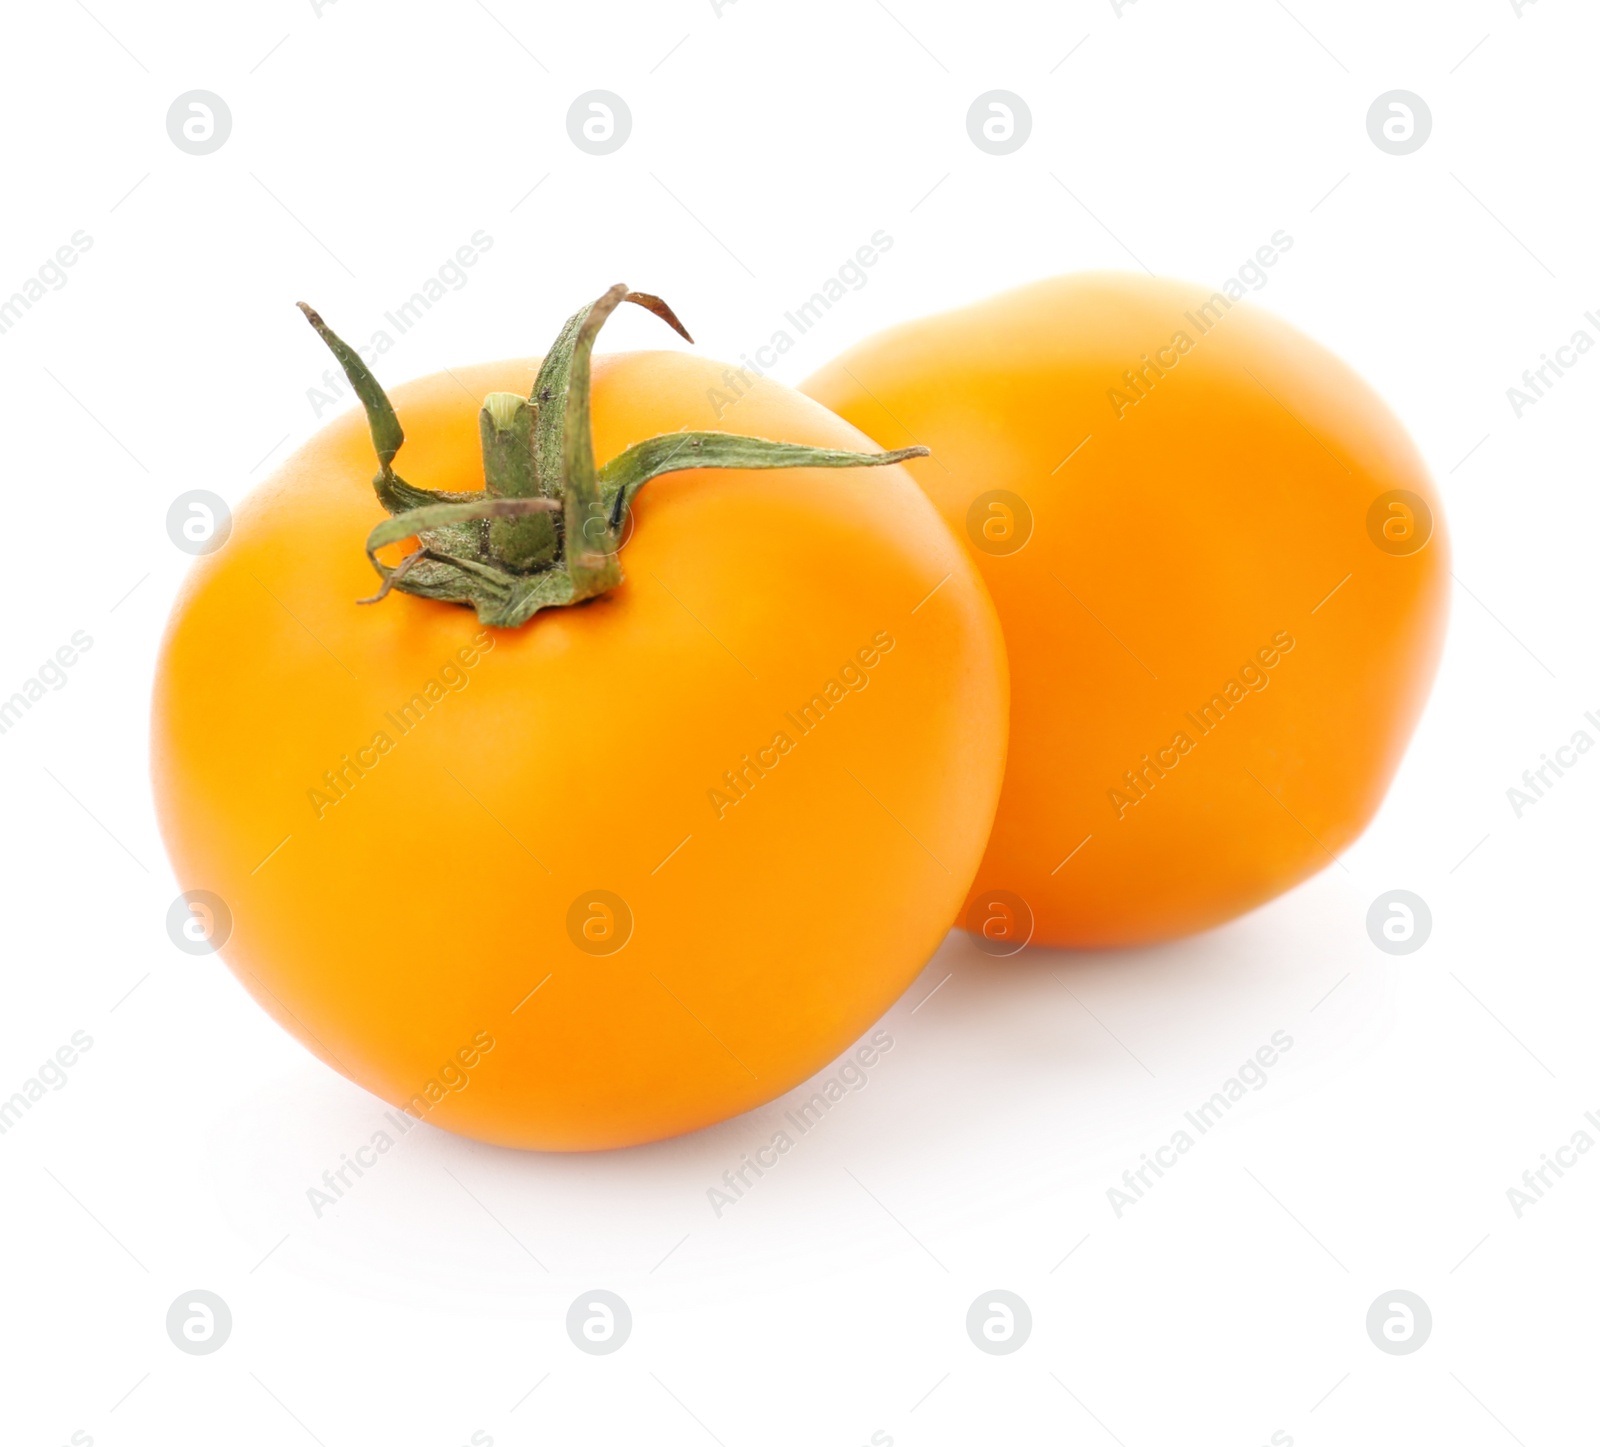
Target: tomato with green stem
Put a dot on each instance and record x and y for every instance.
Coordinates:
(565, 844)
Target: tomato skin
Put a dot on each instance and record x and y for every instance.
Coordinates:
(426, 911)
(1176, 533)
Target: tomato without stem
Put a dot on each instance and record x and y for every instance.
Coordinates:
(627, 869)
(1222, 573)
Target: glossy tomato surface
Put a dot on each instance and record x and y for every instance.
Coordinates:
(627, 870)
(1222, 572)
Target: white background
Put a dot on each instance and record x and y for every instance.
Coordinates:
(829, 1303)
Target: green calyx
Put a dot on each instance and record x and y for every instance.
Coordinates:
(546, 529)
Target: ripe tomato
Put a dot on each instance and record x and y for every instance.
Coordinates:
(1222, 574)
(625, 870)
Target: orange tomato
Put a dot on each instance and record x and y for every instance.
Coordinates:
(626, 870)
(1222, 573)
